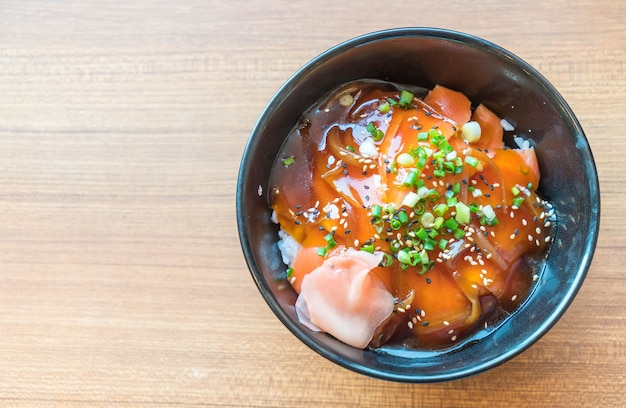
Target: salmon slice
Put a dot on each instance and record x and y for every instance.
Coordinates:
(451, 104)
(518, 166)
(442, 310)
(491, 131)
(342, 298)
(306, 261)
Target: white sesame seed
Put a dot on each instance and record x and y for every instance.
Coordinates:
(446, 323)
(450, 331)
(547, 224)
(512, 236)
(524, 222)
(401, 310)
(535, 277)
(453, 338)
(292, 280)
(538, 230)
(513, 298)
(548, 238)
(410, 324)
(530, 238)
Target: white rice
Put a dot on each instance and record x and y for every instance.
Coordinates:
(288, 247)
(506, 125)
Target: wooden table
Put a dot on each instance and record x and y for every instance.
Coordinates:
(122, 124)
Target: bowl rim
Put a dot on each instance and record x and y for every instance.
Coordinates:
(500, 53)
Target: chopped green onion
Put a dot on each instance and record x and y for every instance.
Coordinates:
(462, 214)
(406, 160)
(515, 190)
(427, 219)
(392, 102)
(433, 195)
(404, 257)
(406, 99)
(377, 211)
(422, 234)
(384, 107)
(435, 137)
(410, 199)
(433, 232)
(443, 243)
(368, 248)
(395, 224)
(517, 201)
(472, 161)
(422, 136)
(289, 161)
(421, 162)
(440, 209)
(289, 273)
(429, 245)
(321, 251)
(403, 217)
(330, 241)
(451, 224)
(392, 167)
(390, 209)
(438, 223)
(387, 260)
(376, 133)
(458, 233)
(350, 149)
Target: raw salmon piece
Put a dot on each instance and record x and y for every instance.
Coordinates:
(491, 131)
(451, 104)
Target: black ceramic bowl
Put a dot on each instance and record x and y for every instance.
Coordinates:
(508, 86)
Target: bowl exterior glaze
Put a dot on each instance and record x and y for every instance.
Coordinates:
(487, 74)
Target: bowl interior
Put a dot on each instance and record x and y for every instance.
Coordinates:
(487, 74)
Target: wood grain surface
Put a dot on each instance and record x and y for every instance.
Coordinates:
(122, 125)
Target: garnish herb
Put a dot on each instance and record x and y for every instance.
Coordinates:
(289, 161)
